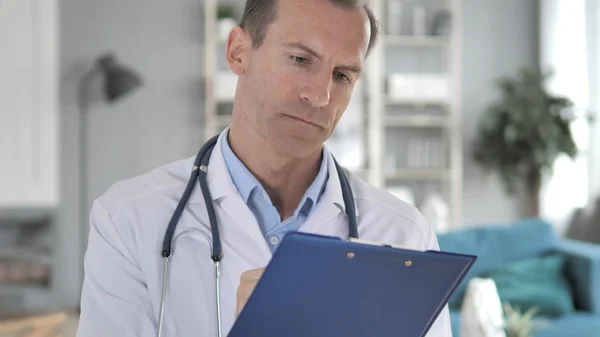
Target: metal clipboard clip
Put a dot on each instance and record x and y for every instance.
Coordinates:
(381, 244)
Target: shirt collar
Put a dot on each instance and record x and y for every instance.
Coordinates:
(221, 185)
(242, 178)
(315, 190)
(246, 182)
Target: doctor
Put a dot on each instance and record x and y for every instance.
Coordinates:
(297, 62)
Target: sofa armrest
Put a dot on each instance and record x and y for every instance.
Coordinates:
(583, 271)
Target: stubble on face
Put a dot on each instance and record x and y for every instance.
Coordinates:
(292, 107)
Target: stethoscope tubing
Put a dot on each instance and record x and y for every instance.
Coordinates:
(199, 173)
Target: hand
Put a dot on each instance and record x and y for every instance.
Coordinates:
(248, 281)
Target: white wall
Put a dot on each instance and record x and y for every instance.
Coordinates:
(499, 37)
(593, 42)
(159, 123)
(563, 49)
(569, 39)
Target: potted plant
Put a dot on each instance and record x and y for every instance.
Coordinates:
(519, 324)
(521, 135)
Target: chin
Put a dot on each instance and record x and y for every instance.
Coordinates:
(290, 136)
(294, 144)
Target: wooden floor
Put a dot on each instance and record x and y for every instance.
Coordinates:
(59, 324)
(70, 328)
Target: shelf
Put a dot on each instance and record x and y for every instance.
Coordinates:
(224, 87)
(417, 174)
(23, 289)
(25, 216)
(223, 120)
(223, 100)
(417, 121)
(26, 254)
(416, 101)
(416, 41)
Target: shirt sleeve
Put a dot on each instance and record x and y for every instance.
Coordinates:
(114, 300)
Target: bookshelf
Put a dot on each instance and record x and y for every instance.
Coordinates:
(414, 104)
(404, 127)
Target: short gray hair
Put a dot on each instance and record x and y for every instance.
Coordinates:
(259, 14)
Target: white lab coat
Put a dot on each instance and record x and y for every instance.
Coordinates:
(123, 264)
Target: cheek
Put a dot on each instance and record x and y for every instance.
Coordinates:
(274, 79)
(336, 118)
(339, 104)
(340, 101)
(285, 87)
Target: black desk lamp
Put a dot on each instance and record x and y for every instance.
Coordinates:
(118, 82)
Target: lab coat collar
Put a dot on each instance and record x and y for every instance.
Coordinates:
(219, 180)
(333, 189)
(221, 184)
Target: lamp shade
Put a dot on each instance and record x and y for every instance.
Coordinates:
(118, 79)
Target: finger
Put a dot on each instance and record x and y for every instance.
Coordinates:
(246, 288)
(243, 295)
(253, 274)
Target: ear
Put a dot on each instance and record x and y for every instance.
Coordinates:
(238, 50)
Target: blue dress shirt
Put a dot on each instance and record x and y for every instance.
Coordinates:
(258, 200)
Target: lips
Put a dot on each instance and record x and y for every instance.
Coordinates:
(304, 120)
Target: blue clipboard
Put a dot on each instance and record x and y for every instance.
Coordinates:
(324, 286)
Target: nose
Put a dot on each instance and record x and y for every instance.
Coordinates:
(317, 90)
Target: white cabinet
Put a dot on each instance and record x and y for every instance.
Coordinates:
(29, 118)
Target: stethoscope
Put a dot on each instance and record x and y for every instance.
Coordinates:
(199, 171)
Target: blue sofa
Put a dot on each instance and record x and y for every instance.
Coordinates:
(498, 246)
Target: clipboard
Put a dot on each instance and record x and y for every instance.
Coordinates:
(318, 285)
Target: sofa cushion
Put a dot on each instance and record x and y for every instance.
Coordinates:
(575, 325)
(536, 282)
(495, 245)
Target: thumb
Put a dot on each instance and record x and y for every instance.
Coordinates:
(253, 274)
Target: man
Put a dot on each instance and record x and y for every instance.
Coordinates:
(297, 62)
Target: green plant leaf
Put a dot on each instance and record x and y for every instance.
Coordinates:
(225, 11)
(525, 130)
(517, 323)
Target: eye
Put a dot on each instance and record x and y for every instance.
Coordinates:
(342, 77)
(299, 59)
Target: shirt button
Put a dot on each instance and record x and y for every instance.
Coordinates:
(265, 196)
(274, 240)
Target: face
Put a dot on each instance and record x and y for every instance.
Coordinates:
(295, 87)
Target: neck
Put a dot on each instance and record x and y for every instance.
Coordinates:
(285, 178)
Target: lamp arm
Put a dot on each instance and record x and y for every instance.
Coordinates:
(83, 88)
(83, 104)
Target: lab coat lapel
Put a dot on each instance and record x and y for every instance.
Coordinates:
(329, 217)
(235, 217)
(228, 200)
(245, 224)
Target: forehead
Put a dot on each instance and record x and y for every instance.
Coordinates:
(325, 26)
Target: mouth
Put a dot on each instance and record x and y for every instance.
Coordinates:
(304, 121)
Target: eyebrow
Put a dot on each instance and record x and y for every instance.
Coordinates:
(351, 67)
